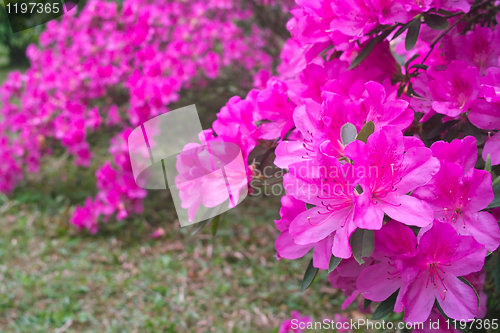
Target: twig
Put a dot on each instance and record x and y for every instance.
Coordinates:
(440, 37)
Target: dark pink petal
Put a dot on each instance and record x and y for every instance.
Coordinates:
(289, 152)
(367, 215)
(440, 243)
(460, 302)
(315, 224)
(376, 283)
(479, 191)
(444, 190)
(492, 148)
(419, 168)
(323, 253)
(463, 152)
(418, 300)
(290, 208)
(484, 228)
(485, 115)
(468, 256)
(395, 239)
(406, 209)
(286, 247)
(348, 301)
(356, 151)
(351, 268)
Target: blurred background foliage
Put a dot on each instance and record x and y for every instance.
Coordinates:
(13, 45)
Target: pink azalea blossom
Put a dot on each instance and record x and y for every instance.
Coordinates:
(454, 88)
(85, 217)
(285, 245)
(344, 278)
(480, 51)
(391, 166)
(458, 198)
(293, 324)
(433, 273)
(394, 241)
(275, 106)
(329, 186)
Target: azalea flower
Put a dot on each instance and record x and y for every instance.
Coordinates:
(293, 324)
(458, 199)
(285, 245)
(344, 278)
(391, 166)
(433, 273)
(394, 241)
(455, 88)
(329, 186)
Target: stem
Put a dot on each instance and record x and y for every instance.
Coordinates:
(441, 36)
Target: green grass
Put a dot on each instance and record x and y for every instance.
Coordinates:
(120, 280)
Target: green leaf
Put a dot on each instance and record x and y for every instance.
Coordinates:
(365, 52)
(411, 92)
(442, 127)
(436, 22)
(334, 262)
(401, 30)
(362, 242)
(309, 276)
(348, 133)
(495, 203)
(366, 131)
(471, 129)
(413, 32)
(496, 273)
(496, 181)
(366, 304)
(386, 307)
(487, 166)
(215, 225)
(199, 227)
(474, 289)
(440, 309)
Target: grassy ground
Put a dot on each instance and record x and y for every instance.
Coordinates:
(55, 279)
(122, 281)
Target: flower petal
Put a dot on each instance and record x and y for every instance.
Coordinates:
(406, 209)
(460, 302)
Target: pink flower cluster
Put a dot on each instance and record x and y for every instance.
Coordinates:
(360, 161)
(382, 154)
(111, 67)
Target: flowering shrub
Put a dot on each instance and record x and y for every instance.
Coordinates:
(112, 67)
(385, 114)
